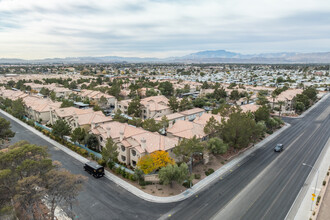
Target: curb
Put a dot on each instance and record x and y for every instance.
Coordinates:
(300, 201)
(145, 196)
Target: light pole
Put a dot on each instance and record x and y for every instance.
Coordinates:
(317, 177)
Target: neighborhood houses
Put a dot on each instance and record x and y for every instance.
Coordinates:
(142, 118)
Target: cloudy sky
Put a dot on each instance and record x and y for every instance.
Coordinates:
(32, 29)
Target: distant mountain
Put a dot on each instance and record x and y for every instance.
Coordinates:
(208, 56)
(212, 54)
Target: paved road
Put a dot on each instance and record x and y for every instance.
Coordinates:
(263, 186)
(101, 198)
(266, 185)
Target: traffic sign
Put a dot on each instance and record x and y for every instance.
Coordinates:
(313, 195)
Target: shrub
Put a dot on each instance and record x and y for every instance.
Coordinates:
(197, 176)
(111, 164)
(318, 200)
(92, 156)
(118, 170)
(187, 184)
(101, 162)
(327, 173)
(142, 183)
(84, 152)
(324, 182)
(209, 171)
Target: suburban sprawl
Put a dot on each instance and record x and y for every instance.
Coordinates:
(161, 128)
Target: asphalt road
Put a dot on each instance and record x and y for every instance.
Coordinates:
(266, 184)
(263, 186)
(101, 198)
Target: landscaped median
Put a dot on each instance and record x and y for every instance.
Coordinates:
(138, 192)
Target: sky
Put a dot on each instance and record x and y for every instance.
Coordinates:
(35, 29)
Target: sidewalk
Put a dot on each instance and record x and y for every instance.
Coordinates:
(132, 189)
(301, 208)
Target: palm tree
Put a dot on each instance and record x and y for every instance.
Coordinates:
(274, 97)
(281, 103)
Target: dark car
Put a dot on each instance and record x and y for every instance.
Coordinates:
(278, 148)
(94, 169)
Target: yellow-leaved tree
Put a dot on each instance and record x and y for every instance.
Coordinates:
(154, 161)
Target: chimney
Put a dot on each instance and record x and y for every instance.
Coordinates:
(144, 144)
(108, 131)
(121, 137)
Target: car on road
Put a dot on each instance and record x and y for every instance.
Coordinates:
(278, 148)
(94, 169)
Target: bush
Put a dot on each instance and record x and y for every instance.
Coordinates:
(327, 173)
(209, 171)
(101, 162)
(197, 176)
(111, 164)
(324, 182)
(118, 170)
(93, 156)
(187, 184)
(142, 183)
(318, 200)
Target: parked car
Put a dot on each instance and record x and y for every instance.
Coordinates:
(94, 169)
(278, 148)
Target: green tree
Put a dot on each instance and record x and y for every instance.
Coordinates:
(164, 122)
(18, 109)
(139, 175)
(258, 130)
(174, 172)
(78, 135)
(234, 95)
(199, 103)
(27, 175)
(103, 102)
(236, 131)
(135, 107)
(166, 88)
(151, 125)
(52, 95)
(219, 93)
(62, 187)
(217, 146)
(109, 152)
(92, 142)
(262, 114)
(187, 147)
(212, 127)
(173, 104)
(151, 92)
(185, 104)
(66, 103)
(97, 108)
(44, 91)
(61, 128)
(311, 93)
(5, 131)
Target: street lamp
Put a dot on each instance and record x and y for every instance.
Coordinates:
(317, 177)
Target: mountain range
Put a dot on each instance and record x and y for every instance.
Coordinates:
(208, 56)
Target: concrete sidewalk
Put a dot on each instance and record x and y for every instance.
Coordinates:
(132, 189)
(302, 207)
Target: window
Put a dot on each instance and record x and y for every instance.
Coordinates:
(133, 163)
(133, 152)
(101, 139)
(122, 148)
(123, 158)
